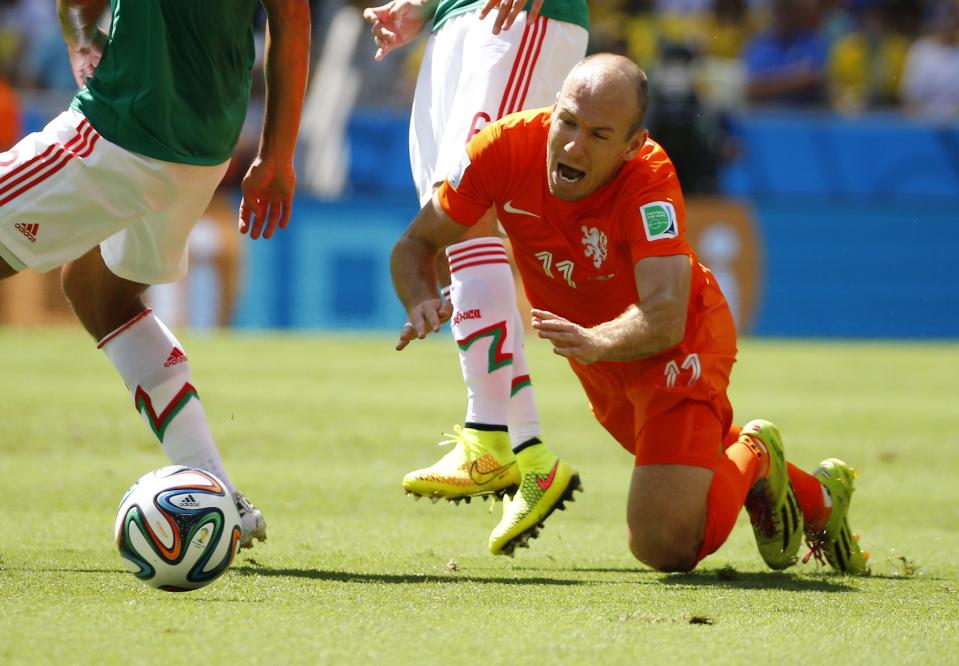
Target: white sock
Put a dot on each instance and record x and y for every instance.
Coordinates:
(156, 371)
(484, 304)
(523, 415)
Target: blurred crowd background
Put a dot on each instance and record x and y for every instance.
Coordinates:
(797, 126)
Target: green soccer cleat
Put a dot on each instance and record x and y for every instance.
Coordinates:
(835, 540)
(547, 482)
(772, 505)
(481, 463)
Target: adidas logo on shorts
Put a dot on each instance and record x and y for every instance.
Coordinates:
(28, 230)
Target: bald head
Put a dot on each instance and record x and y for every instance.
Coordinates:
(613, 77)
(596, 125)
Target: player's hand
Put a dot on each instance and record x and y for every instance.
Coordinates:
(394, 24)
(267, 197)
(507, 11)
(568, 339)
(425, 318)
(85, 57)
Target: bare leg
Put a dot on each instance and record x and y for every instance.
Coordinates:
(101, 300)
(666, 515)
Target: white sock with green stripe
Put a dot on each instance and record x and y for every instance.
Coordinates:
(155, 369)
(484, 306)
(523, 415)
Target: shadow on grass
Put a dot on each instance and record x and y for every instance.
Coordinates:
(726, 577)
(760, 580)
(62, 570)
(396, 579)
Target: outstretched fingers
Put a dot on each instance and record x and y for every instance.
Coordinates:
(424, 319)
(507, 11)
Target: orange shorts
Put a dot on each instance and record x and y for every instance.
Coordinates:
(671, 409)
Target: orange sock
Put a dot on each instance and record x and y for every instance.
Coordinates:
(733, 476)
(732, 436)
(809, 493)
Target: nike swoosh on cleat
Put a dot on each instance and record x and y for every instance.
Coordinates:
(482, 478)
(544, 485)
(508, 207)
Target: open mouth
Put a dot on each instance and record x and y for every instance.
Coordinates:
(568, 174)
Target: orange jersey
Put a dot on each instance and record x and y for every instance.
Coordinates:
(577, 258)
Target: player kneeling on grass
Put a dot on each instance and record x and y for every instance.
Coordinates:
(596, 218)
(111, 188)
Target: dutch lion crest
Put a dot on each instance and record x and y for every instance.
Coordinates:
(596, 243)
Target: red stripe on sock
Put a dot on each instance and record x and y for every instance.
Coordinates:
(520, 379)
(109, 336)
(453, 253)
(488, 254)
(479, 263)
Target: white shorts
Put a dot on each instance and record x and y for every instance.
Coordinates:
(66, 189)
(471, 77)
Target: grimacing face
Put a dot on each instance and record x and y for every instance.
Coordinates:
(588, 139)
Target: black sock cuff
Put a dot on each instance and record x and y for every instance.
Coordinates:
(485, 427)
(528, 443)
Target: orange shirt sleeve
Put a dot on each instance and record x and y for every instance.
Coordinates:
(655, 217)
(478, 180)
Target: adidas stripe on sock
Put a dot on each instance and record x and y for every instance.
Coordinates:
(484, 304)
(156, 370)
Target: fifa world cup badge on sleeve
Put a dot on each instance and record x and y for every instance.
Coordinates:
(659, 220)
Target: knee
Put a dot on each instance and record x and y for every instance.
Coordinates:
(70, 284)
(101, 301)
(666, 548)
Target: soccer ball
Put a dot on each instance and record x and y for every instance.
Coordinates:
(177, 528)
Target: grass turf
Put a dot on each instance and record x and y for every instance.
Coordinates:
(318, 432)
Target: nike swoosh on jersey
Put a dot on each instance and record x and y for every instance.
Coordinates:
(545, 484)
(508, 207)
(482, 478)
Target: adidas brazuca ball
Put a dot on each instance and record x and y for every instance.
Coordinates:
(177, 528)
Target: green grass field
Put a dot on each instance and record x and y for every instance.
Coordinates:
(318, 431)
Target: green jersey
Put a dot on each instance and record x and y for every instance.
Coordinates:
(174, 80)
(570, 11)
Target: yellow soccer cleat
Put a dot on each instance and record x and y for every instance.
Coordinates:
(547, 482)
(835, 541)
(481, 463)
(772, 505)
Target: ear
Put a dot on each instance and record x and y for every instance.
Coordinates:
(635, 144)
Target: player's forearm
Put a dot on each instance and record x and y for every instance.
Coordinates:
(286, 68)
(411, 266)
(78, 19)
(641, 332)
